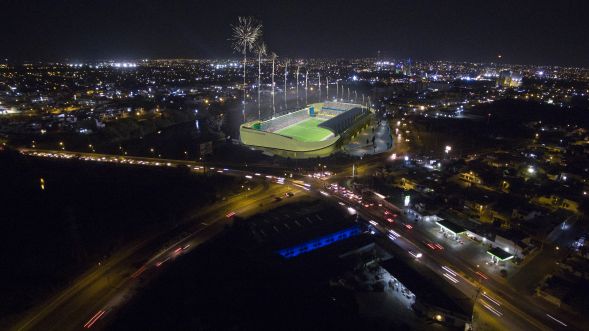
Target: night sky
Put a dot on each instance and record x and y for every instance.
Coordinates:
(527, 32)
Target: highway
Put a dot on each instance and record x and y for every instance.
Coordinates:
(497, 302)
(148, 161)
(94, 296)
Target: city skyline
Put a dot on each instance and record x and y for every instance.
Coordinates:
(542, 33)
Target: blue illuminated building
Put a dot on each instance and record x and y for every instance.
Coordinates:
(314, 244)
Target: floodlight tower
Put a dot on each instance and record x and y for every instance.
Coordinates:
(306, 87)
(319, 75)
(285, 76)
(327, 88)
(298, 68)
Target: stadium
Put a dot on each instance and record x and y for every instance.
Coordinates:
(316, 127)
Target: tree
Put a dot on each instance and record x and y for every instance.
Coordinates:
(262, 51)
(245, 34)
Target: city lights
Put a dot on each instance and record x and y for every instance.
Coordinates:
(157, 155)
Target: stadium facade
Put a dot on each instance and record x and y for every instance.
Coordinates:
(317, 127)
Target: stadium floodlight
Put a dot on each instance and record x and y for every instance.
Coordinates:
(306, 84)
(262, 51)
(298, 68)
(285, 76)
(319, 75)
(273, 56)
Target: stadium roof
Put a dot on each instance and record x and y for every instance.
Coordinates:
(343, 121)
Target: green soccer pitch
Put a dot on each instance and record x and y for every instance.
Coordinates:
(307, 130)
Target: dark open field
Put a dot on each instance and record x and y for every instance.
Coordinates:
(86, 213)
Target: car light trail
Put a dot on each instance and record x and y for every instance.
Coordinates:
(415, 255)
(138, 272)
(373, 222)
(324, 193)
(491, 299)
(491, 309)
(452, 279)
(94, 318)
(301, 186)
(379, 195)
(450, 271)
(482, 275)
(162, 262)
(556, 320)
(394, 233)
